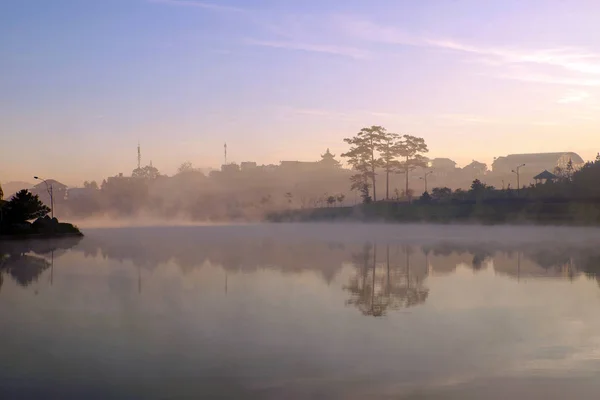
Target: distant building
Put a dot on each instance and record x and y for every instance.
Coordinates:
(248, 166)
(475, 168)
(78, 193)
(536, 162)
(299, 166)
(327, 162)
(230, 168)
(214, 174)
(441, 167)
(441, 164)
(59, 190)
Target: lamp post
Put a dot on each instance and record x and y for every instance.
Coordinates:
(516, 171)
(424, 178)
(50, 192)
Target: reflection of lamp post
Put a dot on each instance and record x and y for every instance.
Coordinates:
(424, 178)
(50, 192)
(518, 176)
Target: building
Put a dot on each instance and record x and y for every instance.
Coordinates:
(78, 193)
(230, 168)
(298, 166)
(475, 169)
(441, 167)
(248, 165)
(535, 162)
(59, 190)
(327, 162)
(441, 164)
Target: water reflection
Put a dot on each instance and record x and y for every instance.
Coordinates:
(386, 276)
(376, 287)
(25, 261)
(291, 316)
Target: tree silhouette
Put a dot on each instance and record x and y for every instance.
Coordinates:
(1, 193)
(90, 185)
(410, 149)
(289, 197)
(478, 189)
(362, 155)
(148, 172)
(390, 150)
(340, 198)
(331, 200)
(360, 182)
(25, 269)
(185, 167)
(441, 194)
(25, 206)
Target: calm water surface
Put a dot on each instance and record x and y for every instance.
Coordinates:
(303, 311)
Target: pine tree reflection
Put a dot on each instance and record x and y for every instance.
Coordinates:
(375, 291)
(25, 261)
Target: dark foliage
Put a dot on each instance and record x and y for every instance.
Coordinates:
(24, 206)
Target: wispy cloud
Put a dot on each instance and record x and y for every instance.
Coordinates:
(199, 4)
(549, 79)
(351, 52)
(574, 96)
(569, 59)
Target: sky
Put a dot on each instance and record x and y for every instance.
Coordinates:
(83, 81)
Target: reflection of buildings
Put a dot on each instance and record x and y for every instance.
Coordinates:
(385, 277)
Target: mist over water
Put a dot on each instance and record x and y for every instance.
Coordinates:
(302, 310)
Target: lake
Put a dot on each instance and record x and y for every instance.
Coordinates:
(302, 311)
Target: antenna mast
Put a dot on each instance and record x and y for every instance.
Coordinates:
(225, 147)
(139, 156)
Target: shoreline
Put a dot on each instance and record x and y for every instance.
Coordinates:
(486, 214)
(36, 236)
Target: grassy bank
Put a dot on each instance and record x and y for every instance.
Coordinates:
(516, 211)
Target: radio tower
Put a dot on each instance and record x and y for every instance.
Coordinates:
(225, 147)
(139, 156)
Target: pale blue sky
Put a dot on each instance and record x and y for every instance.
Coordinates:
(82, 81)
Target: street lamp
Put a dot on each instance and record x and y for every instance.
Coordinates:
(518, 177)
(424, 178)
(50, 192)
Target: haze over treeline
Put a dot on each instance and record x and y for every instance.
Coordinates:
(383, 165)
(285, 81)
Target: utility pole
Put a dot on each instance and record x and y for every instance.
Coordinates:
(516, 171)
(50, 192)
(225, 148)
(424, 178)
(139, 156)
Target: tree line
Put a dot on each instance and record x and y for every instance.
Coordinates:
(375, 148)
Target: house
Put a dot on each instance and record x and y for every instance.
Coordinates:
(441, 167)
(535, 162)
(441, 164)
(42, 189)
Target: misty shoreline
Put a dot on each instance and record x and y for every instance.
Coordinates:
(349, 231)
